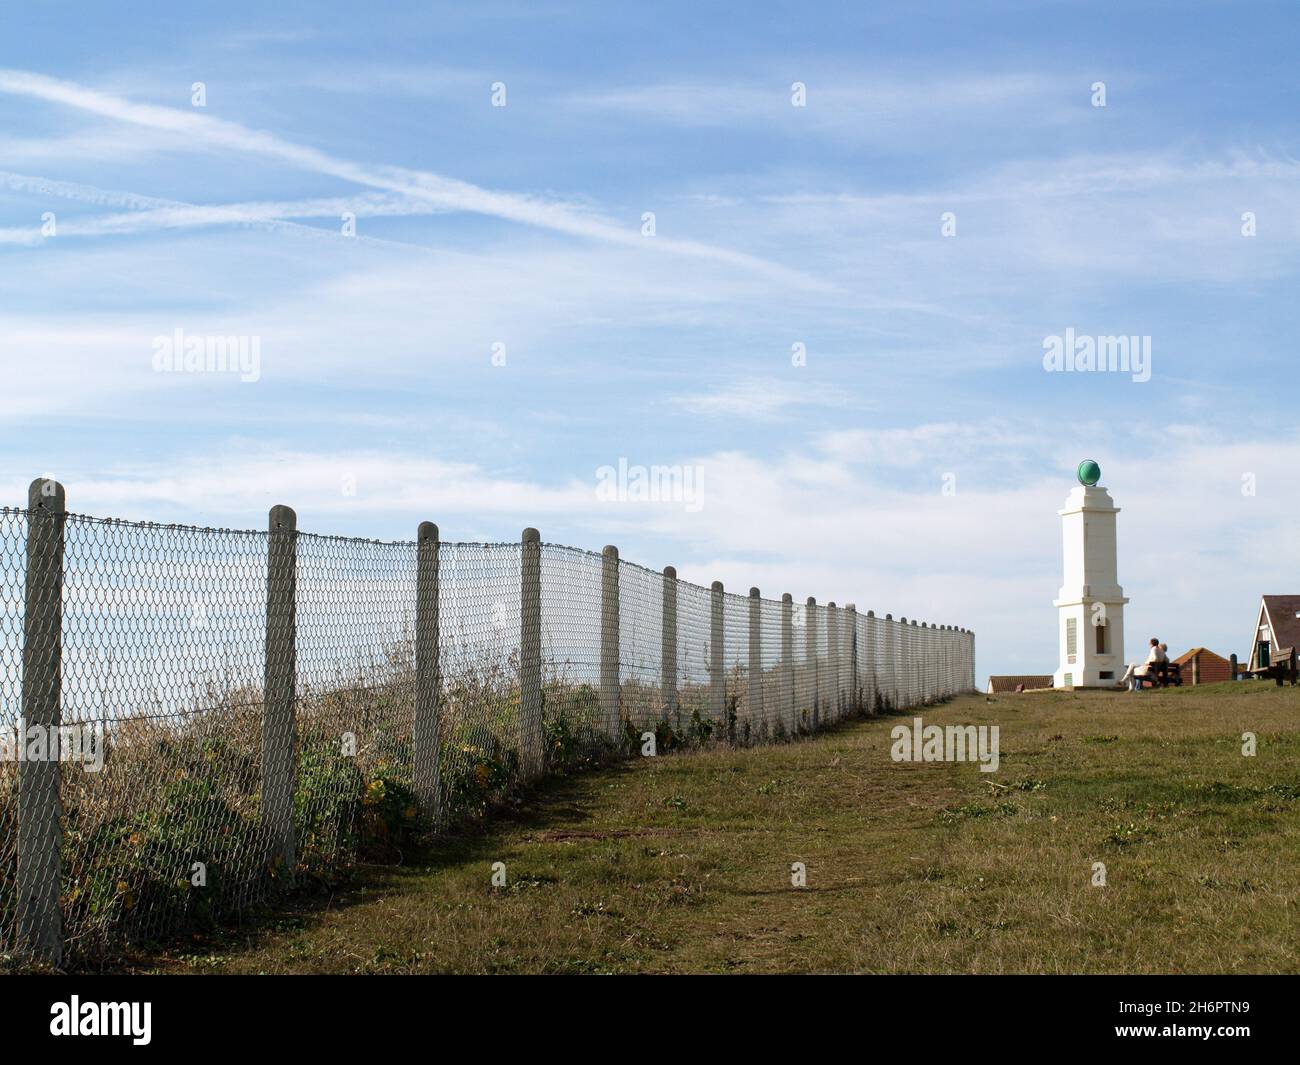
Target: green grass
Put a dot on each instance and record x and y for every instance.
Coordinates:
(682, 863)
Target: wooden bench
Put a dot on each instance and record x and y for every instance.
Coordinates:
(1281, 667)
(1173, 677)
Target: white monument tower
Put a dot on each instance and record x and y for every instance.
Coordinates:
(1090, 603)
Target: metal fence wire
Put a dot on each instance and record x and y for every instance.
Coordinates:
(193, 719)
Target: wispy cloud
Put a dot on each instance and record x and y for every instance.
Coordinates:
(151, 214)
(327, 485)
(760, 398)
(995, 442)
(1065, 177)
(835, 102)
(445, 193)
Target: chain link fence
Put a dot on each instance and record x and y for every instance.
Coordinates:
(193, 719)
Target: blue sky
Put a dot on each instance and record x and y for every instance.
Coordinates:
(378, 405)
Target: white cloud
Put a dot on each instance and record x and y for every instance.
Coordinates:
(939, 441)
(1195, 551)
(845, 105)
(244, 479)
(197, 130)
(1095, 219)
(150, 214)
(759, 398)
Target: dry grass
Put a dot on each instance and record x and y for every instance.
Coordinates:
(682, 864)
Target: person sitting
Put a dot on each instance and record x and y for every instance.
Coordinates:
(1146, 673)
(1162, 664)
(1139, 674)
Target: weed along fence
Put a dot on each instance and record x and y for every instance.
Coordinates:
(194, 719)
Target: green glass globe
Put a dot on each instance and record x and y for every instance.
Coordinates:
(1089, 473)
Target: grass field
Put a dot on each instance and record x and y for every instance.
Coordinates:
(682, 863)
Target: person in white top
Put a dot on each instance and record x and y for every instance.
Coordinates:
(1147, 670)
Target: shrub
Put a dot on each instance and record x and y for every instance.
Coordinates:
(326, 808)
(135, 870)
(473, 774)
(390, 815)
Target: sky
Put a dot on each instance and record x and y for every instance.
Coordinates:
(809, 256)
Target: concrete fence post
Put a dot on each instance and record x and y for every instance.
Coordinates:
(941, 661)
(855, 688)
(40, 829)
(426, 732)
(954, 683)
(904, 664)
(922, 659)
(532, 743)
(918, 661)
(609, 666)
(833, 662)
(935, 655)
(938, 653)
(668, 643)
(279, 698)
(811, 651)
(755, 715)
(904, 695)
(960, 663)
(961, 672)
(953, 686)
(914, 654)
(923, 670)
(845, 623)
(958, 656)
(843, 627)
(965, 653)
(1196, 670)
(954, 657)
(717, 667)
(787, 660)
(948, 661)
(967, 662)
(891, 681)
(937, 648)
(927, 636)
(945, 643)
(872, 680)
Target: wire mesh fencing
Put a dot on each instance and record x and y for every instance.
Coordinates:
(194, 719)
